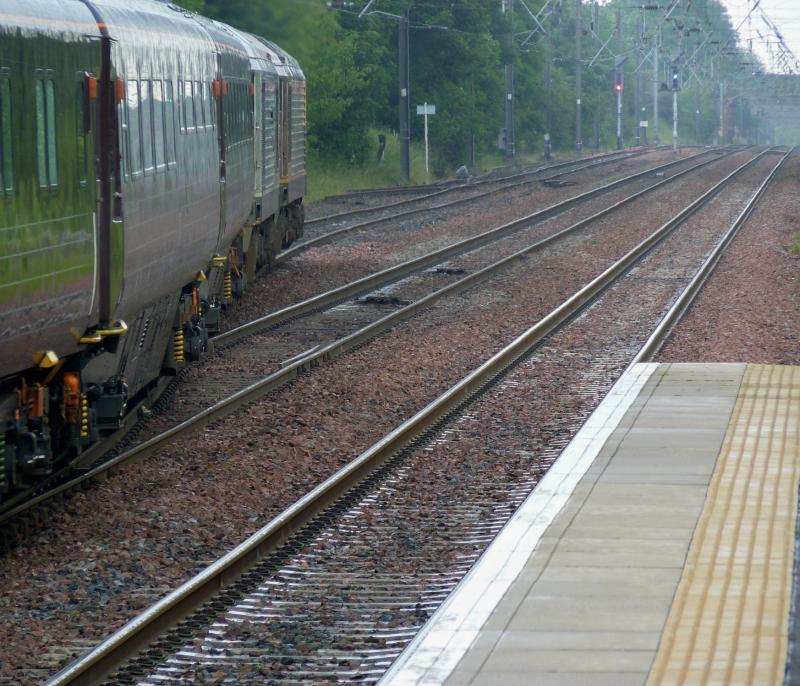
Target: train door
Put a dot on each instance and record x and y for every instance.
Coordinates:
(258, 136)
(106, 94)
(220, 90)
(285, 128)
(269, 128)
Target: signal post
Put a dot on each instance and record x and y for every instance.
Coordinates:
(676, 86)
(619, 87)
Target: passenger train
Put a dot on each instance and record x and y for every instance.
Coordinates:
(151, 162)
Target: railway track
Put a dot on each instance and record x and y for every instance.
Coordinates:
(389, 212)
(313, 598)
(355, 322)
(496, 175)
(491, 176)
(384, 277)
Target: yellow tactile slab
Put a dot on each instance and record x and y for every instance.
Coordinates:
(728, 622)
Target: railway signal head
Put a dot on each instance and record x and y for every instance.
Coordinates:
(619, 84)
(676, 78)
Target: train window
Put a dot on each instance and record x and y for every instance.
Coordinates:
(242, 105)
(52, 162)
(122, 114)
(188, 106)
(47, 163)
(238, 113)
(242, 101)
(6, 163)
(169, 101)
(81, 118)
(230, 112)
(200, 106)
(134, 128)
(181, 107)
(191, 115)
(158, 124)
(208, 103)
(146, 108)
(235, 114)
(41, 137)
(245, 104)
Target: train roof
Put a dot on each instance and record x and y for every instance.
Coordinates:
(164, 21)
(56, 18)
(287, 65)
(229, 35)
(160, 19)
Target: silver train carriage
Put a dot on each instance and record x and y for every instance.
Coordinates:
(151, 161)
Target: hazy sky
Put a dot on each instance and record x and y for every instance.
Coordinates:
(785, 14)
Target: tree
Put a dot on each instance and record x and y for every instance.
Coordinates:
(345, 77)
(457, 57)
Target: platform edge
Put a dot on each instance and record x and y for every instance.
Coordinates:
(437, 649)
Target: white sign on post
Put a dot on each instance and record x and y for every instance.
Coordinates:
(425, 111)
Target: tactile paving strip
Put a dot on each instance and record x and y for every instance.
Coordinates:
(729, 621)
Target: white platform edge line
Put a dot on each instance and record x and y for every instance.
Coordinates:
(434, 653)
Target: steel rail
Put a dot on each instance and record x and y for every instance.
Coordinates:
(324, 353)
(387, 206)
(396, 272)
(679, 308)
(166, 613)
(485, 178)
(592, 162)
(327, 237)
(9, 508)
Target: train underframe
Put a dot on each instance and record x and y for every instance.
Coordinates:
(54, 412)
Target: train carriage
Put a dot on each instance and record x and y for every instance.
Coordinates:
(48, 272)
(150, 163)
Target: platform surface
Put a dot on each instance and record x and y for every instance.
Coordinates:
(658, 549)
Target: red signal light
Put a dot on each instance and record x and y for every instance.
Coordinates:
(618, 87)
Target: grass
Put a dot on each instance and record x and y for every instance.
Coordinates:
(327, 178)
(794, 248)
(331, 178)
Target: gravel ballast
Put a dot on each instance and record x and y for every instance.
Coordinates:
(749, 310)
(350, 600)
(120, 546)
(356, 255)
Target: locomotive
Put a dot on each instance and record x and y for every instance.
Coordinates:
(151, 162)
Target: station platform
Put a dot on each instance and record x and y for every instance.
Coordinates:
(658, 549)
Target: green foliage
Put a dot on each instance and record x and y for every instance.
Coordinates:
(346, 80)
(794, 249)
(458, 49)
(327, 176)
(458, 68)
(193, 5)
(350, 89)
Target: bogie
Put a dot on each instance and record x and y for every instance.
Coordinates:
(166, 175)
